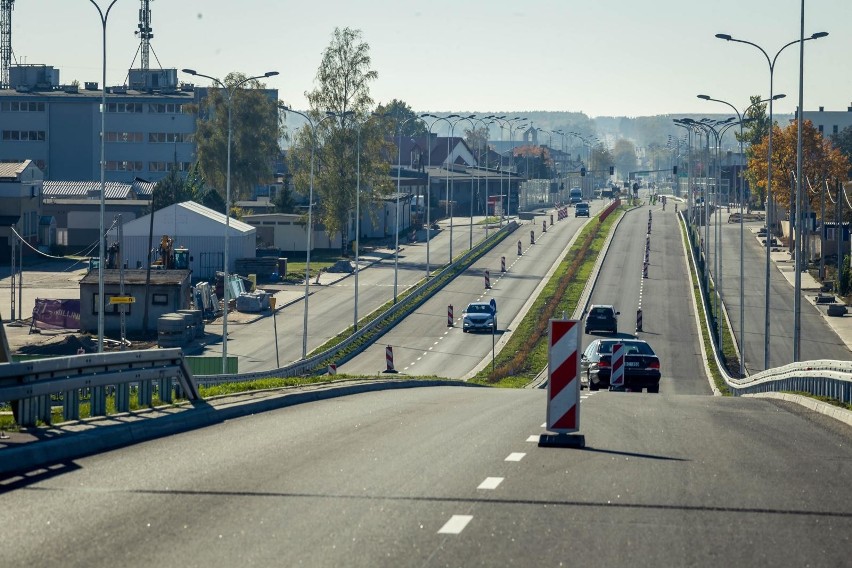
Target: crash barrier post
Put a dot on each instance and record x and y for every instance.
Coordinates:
(389, 360)
(450, 317)
(332, 368)
(616, 377)
(532, 237)
(519, 249)
(487, 279)
(639, 319)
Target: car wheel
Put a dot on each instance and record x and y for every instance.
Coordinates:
(654, 389)
(587, 331)
(593, 386)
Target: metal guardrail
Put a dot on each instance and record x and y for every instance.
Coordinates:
(822, 377)
(402, 308)
(31, 385)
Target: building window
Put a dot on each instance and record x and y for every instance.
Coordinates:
(834, 129)
(169, 166)
(124, 107)
(165, 108)
(124, 137)
(24, 135)
(160, 299)
(123, 166)
(25, 106)
(820, 128)
(169, 137)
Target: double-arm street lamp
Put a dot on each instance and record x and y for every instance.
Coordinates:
(740, 121)
(771, 62)
(104, 15)
(229, 92)
(310, 220)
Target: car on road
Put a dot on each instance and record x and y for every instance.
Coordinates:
(479, 316)
(641, 365)
(602, 317)
(581, 209)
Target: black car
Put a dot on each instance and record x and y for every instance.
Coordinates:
(641, 365)
(581, 209)
(602, 318)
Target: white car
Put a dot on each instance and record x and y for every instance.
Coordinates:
(479, 316)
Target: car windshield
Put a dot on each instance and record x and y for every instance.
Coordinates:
(601, 312)
(639, 347)
(479, 309)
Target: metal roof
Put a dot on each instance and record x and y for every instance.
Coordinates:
(87, 189)
(12, 170)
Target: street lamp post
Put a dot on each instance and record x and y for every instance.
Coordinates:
(310, 221)
(742, 212)
(229, 91)
(104, 15)
(469, 119)
(771, 62)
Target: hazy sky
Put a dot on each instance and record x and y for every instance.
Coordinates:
(601, 57)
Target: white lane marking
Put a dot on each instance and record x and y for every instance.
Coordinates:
(491, 483)
(516, 456)
(533, 439)
(544, 425)
(456, 524)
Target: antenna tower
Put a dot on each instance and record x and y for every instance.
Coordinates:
(5, 40)
(145, 32)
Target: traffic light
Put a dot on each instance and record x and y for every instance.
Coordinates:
(674, 170)
(612, 170)
(583, 172)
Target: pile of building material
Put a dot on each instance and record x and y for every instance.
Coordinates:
(175, 329)
(257, 301)
(263, 267)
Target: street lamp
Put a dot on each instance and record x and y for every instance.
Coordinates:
(469, 119)
(771, 62)
(310, 221)
(101, 235)
(229, 91)
(742, 212)
(485, 122)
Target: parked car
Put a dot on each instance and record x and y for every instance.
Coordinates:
(602, 318)
(581, 210)
(641, 365)
(479, 316)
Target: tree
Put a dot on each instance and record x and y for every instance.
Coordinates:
(534, 161)
(758, 128)
(843, 142)
(477, 141)
(624, 157)
(255, 131)
(343, 88)
(398, 112)
(284, 202)
(820, 161)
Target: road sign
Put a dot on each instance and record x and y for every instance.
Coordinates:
(122, 300)
(563, 370)
(493, 304)
(616, 377)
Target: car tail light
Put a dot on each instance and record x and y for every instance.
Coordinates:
(603, 364)
(654, 364)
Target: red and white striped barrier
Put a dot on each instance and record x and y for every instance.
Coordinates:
(332, 369)
(502, 264)
(389, 360)
(520, 252)
(645, 271)
(532, 237)
(563, 371)
(487, 279)
(450, 317)
(616, 377)
(639, 319)
(551, 219)
(544, 226)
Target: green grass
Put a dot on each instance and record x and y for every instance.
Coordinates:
(827, 400)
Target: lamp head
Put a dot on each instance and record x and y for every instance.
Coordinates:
(726, 37)
(819, 35)
(270, 74)
(778, 96)
(189, 71)
(705, 97)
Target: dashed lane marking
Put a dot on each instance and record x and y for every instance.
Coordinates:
(517, 456)
(533, 439)
(491, 483)
(456, 524)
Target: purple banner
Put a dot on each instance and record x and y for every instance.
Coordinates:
(56, 314)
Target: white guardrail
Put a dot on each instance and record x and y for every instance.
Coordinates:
(385, 320)
(827, 378)
(31, 386)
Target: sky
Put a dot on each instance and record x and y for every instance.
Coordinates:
(600, 57)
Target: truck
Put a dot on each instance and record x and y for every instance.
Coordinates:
(575, 196)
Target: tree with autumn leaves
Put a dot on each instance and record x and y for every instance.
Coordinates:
(820, 161)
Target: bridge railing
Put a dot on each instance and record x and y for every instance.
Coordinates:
(32, 386)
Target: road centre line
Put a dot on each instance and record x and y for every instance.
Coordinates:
(491, 483)
(516, 456)
(533, 439)
(456, 524)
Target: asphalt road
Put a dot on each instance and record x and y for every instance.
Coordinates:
(448, 476)
(668, 322)
(818, 340)
(424, 345)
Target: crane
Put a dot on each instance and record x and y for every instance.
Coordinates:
(5, 41)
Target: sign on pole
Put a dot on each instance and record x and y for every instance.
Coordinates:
(122, 300)
(563, 371)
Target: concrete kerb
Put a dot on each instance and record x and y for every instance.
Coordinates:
(95, 435)
(835, 412)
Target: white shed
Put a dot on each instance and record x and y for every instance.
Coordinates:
(192, 226)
